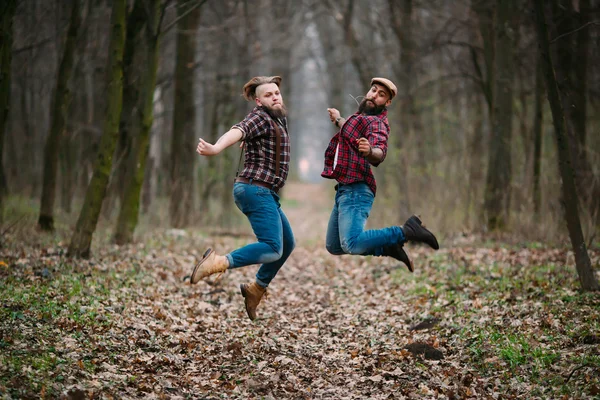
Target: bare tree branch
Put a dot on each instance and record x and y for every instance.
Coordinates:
(172, 24)
(573, 31)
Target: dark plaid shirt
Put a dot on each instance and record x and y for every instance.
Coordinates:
(351, 167)
(259, 132)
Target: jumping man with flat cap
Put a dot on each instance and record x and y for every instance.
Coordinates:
(360, 143)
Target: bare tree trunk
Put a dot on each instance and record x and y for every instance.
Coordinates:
(28, 156)
(132, 69)
(183, 145)
(582, 260)
(401, 21)
(67, 159)
(525, 136)
(6, 41)
(282, 65)
(210, 170)
(334, 79)
(589, 180)
(128, 216)
(60, 107)
(485, 76)
(572, 54)
(498, 186)
(485, 12)
(538, 121)
(475, 156)
(88, 218)
(357, 57)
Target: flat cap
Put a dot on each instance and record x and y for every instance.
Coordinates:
(386, 83)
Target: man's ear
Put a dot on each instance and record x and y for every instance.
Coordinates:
(387, 103)
(258, 103)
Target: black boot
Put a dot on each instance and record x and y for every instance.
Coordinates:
(397, 251)
(416, 232)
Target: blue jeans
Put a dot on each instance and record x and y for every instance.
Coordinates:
(345, 232)
(271, 227)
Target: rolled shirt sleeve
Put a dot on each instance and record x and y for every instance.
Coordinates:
(377, 135)
(252, 126)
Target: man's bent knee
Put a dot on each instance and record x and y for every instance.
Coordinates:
(335, 250)
(351, 248)
(268, 258)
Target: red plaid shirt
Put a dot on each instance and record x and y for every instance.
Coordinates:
(351, 167)
(258, 129)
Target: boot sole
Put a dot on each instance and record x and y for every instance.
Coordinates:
(207, 253)
(411, 266)
(407, 261)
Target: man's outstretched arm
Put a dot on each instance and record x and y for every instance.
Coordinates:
(230, 137)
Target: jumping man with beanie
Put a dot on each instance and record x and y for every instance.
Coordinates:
(360, 143)
(265, 134)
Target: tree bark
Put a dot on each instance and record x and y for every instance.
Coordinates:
(401, 22)
(133, 68)
(6, 41)
(476, 160)
(572, 55)
(485, 12)
(282, 15)
(128, 216)
(538, 121)
(88, 218)
(357, 56)
(67, 159)
(498, 190)
(60, 107)
(582, 260)
(183, 144)
(589, 182)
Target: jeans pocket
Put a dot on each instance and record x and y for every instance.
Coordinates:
(239, 193)
(263, 192)
(238, 189)
(363, 203)
(365, 197)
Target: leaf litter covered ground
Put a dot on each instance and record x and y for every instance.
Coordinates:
(485, 321)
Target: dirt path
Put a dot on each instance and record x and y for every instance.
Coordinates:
(307, 207)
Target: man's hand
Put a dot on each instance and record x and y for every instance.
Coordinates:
(206, 149)
(364, 148)
(333, 114)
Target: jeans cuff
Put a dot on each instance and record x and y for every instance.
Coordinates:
(261, 283)
(230, 259)
(401, 237)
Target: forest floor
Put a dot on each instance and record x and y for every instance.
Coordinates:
(478, 319)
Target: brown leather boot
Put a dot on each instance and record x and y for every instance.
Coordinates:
(210, 264)
(252, 293)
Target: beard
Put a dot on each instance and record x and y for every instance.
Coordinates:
(367, 107)
(276, 112)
